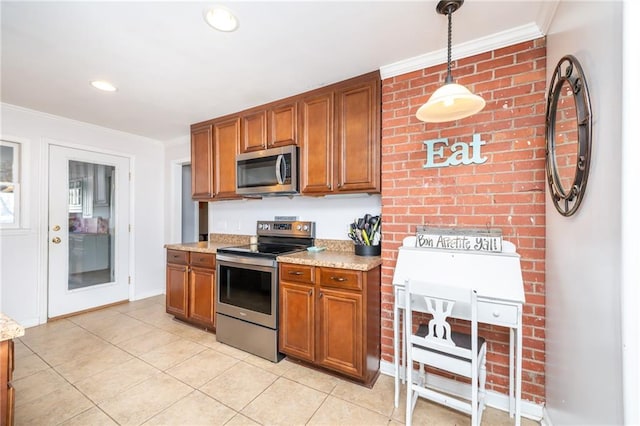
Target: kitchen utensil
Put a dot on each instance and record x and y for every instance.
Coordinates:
(365, 230)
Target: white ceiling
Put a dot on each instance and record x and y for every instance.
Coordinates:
(171, 69)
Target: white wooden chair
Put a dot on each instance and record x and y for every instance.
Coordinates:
(435, 345)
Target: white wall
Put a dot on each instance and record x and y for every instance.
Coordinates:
(23, 259)
(584, 374)
(332, 214)
(630, 224)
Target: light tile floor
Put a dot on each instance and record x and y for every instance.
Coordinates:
(133, 364)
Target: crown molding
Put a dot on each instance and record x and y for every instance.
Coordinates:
(545, 15)
(488, 43)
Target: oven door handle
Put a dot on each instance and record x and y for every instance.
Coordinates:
(246, 260)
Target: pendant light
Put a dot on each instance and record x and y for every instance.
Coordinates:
(451, 101)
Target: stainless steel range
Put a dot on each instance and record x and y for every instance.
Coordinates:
(247, 286)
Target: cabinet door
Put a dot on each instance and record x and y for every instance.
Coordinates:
(226, 139)
(6, 391)
(340, 338)
(297, 321)
(316, 154)
(357, 162)
(254, 131)
(283, 125)
(177, 287)
(201, 163)
(202, 285)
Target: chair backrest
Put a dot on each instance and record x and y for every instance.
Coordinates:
(439, 301)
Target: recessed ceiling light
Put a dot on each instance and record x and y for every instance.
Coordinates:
(221, 18)
(103, 85)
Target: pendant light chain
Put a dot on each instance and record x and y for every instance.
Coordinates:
(449, 78)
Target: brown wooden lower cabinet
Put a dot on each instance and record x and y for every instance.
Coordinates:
(191, 284)
(330, 317)
(7, 393)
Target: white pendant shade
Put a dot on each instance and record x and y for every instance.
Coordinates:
(450, 102)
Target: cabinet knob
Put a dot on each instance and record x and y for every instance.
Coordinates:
(295, 273)
(496, 314)
(310, 292)
(339, 279)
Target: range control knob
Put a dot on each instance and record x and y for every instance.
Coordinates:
(305, 228)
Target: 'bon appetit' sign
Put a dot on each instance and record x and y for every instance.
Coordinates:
(459, 239)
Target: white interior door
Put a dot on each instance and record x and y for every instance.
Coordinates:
(88, 230)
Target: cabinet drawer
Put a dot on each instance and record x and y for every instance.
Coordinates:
(297, 273)
(497, 313)
(340, 278)
(204, 260)
(178, 256)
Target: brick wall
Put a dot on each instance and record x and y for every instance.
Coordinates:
(505, 192)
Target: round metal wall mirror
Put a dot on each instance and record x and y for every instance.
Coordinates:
(568, 123)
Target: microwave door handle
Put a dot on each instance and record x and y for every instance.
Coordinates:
(279, 169)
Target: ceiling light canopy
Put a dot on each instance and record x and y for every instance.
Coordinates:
(451, 101)
(221, 18)
(103, 85)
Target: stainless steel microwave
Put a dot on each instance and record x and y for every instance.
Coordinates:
(271, 171)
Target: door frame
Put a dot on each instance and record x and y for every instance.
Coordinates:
(43, 234)
(175, 189)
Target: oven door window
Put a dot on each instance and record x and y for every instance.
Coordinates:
(246, 288)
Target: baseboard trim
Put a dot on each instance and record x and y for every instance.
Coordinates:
(493, 399)
(546, 418)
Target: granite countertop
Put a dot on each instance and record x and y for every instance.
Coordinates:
(333, 259)
(338, 253)
(9, 329)
(200, 247)
(215, 242)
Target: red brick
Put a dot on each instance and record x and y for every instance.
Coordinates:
(505, 192)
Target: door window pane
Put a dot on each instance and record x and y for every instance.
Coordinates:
(9, 184)
(91, 224)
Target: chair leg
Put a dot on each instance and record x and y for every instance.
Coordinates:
(482, 378)
(409, 409)
(474, 404)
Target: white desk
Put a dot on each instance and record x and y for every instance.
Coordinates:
(496, 277)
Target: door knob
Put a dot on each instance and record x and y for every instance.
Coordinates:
(56, 240)
(56, 228)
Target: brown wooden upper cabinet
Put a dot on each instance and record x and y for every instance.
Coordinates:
(270, 126)
(214, 146)
(337, 128)
(201, 162)
(340, 138)
(226, 139)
